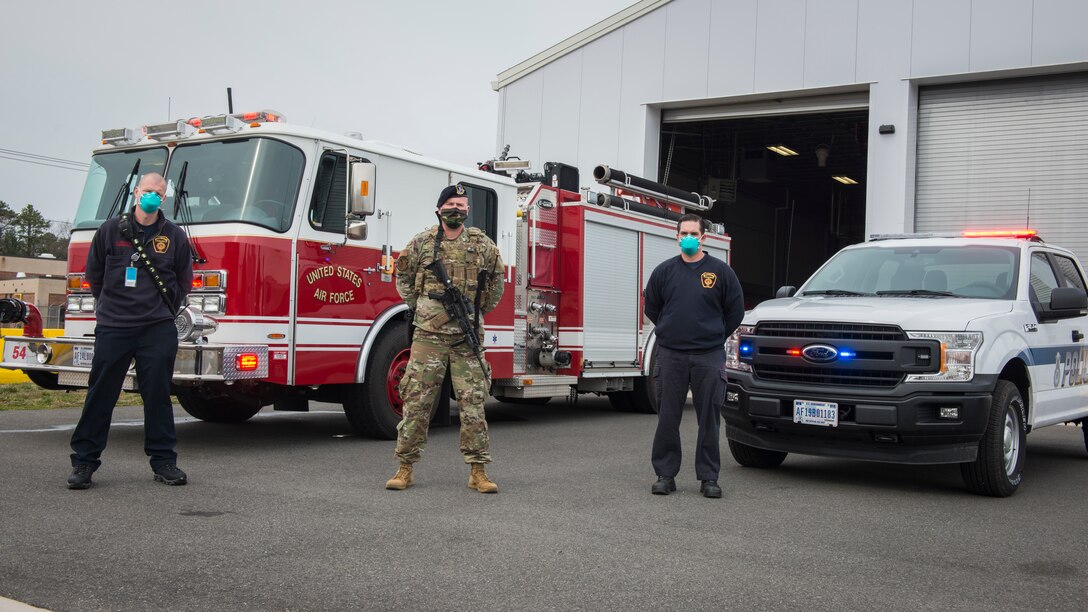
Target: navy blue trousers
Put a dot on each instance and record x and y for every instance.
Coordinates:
(674, 373)
(154, 347)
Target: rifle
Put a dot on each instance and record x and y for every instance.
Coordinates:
(458, 307)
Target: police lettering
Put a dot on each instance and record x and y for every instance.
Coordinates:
(1069, 369)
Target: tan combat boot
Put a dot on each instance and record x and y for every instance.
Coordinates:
(403, 478)
(477, 479)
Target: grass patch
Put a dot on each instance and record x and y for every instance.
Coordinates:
(28, 396)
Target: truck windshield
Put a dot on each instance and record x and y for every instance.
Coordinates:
(252, 180)
(108, 171)
(987, 272)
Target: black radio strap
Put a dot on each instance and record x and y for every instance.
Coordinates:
(126, 230)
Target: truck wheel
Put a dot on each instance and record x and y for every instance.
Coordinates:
(644, 397)
(621, 400)
(999, 468)
(213, 408)
(750, 456)
(374, 408)
(45, 380)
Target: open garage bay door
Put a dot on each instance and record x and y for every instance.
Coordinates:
(1004, 154)
(788, 176)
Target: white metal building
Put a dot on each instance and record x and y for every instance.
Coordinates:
(947, 114)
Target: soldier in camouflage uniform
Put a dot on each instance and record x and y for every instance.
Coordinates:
(473, 263)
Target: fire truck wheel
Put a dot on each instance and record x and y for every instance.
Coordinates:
(213, 408)
(374, 407)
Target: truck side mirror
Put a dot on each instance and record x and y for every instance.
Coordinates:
(361, 198)
(785, 291)
(1066, 303)
(357, 230)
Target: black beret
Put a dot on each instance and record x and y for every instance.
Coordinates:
(453, 191)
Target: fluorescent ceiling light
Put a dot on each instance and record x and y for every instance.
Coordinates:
(782, 150)
(845, 180)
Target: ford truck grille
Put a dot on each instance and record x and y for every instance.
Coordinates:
(874, 355)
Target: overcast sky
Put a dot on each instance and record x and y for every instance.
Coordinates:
(414, 73)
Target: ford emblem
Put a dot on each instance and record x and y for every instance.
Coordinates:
(820, 353)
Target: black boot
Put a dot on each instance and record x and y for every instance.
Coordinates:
(80, 477)
(710, 488)
(663, 486)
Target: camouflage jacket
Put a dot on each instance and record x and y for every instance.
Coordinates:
(463, 257)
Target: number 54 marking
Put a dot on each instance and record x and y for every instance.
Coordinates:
(18, 353)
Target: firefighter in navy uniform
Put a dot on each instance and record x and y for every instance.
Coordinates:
(474, 266)
(140, 269)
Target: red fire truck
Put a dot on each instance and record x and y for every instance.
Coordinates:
(295, 231)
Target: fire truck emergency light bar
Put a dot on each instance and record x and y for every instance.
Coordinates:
(120, 136)
(510, 164)
(169, 131)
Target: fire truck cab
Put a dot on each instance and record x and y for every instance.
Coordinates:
(295, 231)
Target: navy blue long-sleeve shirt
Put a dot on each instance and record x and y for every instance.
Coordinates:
(694, 307)
(168, 249)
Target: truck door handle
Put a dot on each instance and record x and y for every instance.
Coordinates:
(1077, 336)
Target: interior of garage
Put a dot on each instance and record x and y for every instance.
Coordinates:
(775, 186)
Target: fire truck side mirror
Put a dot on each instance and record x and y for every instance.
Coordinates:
(362, 192)
(356, 230)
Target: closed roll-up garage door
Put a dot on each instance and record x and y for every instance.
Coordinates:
(1005, 154)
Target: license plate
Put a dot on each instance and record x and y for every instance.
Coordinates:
(82, 355)
(808, 412)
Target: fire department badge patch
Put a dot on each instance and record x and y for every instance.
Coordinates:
(161, 244)
(709, 280)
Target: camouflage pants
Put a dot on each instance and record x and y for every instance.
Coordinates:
(431, 356)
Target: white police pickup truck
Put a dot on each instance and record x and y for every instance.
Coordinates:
(916, 349)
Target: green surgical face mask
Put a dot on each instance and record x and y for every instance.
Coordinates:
(453, 218)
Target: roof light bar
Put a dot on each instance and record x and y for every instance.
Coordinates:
(1007, 233)
(265, 116)
(220, 124)
(121, 136)
(169, 131)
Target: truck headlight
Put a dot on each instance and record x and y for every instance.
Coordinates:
(192, 324)
(958, 350)
(732, 349)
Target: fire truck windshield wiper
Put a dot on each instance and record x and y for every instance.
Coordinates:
(181, 205)
(915, 292)
(839, 292)
(122, 192)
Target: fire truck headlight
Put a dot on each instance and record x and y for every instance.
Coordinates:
(43, 353)
(213, 303)
(73, 303)
(86, 303)
(192, 325)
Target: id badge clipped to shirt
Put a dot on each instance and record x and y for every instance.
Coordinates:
(130, 276)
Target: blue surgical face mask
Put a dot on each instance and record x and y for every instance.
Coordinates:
(150, 202)
(689, 245)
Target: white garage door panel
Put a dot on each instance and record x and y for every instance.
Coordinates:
(983, 146)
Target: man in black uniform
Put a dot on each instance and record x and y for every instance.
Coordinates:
(140, 269)
(695, 302)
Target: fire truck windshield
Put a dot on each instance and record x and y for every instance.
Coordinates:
(250, 180)
(107, 173)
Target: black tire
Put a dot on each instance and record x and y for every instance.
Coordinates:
(644, 397)
(750, 456)
(528, 401)
(373, 408)
(207, 405)
(999, 468)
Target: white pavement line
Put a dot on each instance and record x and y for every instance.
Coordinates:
(140, 423)
(10, 605)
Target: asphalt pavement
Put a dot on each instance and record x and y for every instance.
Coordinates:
(288, 512)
